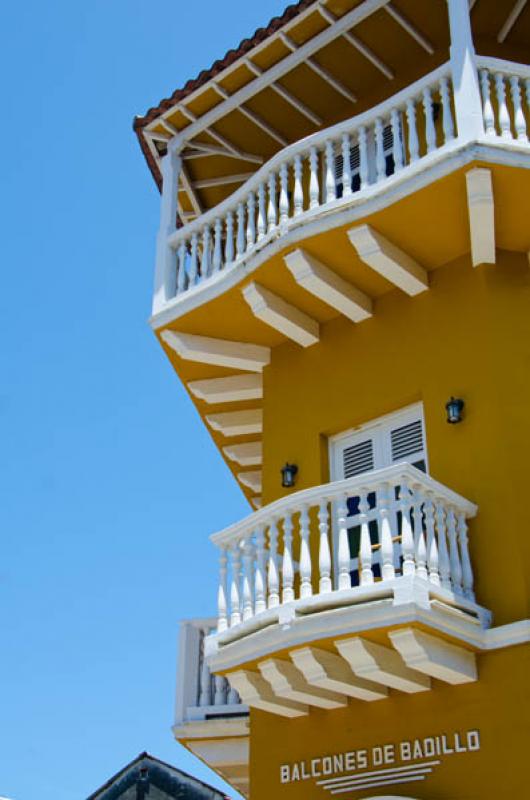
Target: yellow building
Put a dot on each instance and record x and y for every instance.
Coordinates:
(342, 270)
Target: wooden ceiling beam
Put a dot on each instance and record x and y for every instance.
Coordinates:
(356, 42)
(410, 28)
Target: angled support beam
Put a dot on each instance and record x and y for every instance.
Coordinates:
(237, 423)
(190, 190)
(221, 352)
(356, 42)
(228, 390)
(381, 664)
(388, 260)
(434, 656)
(329, 287)
(248, 454)
(287, 96)
(329, 671)
(253, 117)
(289, 683)
(251, 479)
(256, 502)
(223, 180)
(320, 71)
(282, 316)
(409, 27)
(511, 19)
(481, 215)
(255, 692)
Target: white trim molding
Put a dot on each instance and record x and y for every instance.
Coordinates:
(221, 352)
(281, 316)
(388, 260)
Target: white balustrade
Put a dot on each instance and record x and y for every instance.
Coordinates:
(353, 535)
(200, 694)
(505, 89)
(314, 173)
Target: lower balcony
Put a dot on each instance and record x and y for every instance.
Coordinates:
(347, 589)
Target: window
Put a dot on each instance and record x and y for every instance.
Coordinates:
(355, 159)
(385, 441)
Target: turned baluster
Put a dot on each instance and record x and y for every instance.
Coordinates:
(194, 259)
(364, 173)
(229, 244)
(447, 111)
(504, 116)
(272, 219)
(365, 549)
(222, 605)
(251, 220)
(248, 556)
(380, 163)
(181, 276)
(205, 260)
(346, 165)
(313, 179)
(324, 553)
(205, 698)
(274, 596)
(284, 197)
(397, 150)
(306, 590)
(220, 690)
(233, 697)
(343, 555)
(487, 107)
(262, 211)
(430, 132)
(454, 557)
(432, 547)
(420, 548)
(467, 570)
(443, 555)
(412, 132)
(217, 248)
(260, 579)
(287, 566)
(407, 538)
(519, 120)
(298, 195)
(330, 188)
(387, 546)
(240, 238)
(235, 610)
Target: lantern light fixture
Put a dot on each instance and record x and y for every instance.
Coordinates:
(289, 475)
(454, 408)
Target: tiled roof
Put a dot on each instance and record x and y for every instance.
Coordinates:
(203, 77)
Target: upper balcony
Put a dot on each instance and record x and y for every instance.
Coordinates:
(467, 109)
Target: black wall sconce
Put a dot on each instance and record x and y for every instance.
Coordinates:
(454, 408)
(289, 475)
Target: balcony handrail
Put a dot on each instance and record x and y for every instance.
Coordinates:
(302, 146)
(502, 65)
(336, 489)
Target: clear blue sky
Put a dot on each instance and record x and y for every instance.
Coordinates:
(109, 484)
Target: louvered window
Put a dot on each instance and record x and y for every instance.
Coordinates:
(355, 163)
(358, 458)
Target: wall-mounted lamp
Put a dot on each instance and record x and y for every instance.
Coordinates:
(454, 408)
(289, 475)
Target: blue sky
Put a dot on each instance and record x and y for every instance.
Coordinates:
(109, 484)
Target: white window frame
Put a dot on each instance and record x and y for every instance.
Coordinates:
(382, 454)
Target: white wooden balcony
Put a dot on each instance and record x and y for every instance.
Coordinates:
(366, 548)
(342, 173)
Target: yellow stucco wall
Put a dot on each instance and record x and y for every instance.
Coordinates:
(469, 336)
(496, 706)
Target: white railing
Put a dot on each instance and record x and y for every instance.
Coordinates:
(387, 524)
(201, 695)
(310, 176)
(505, 89)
